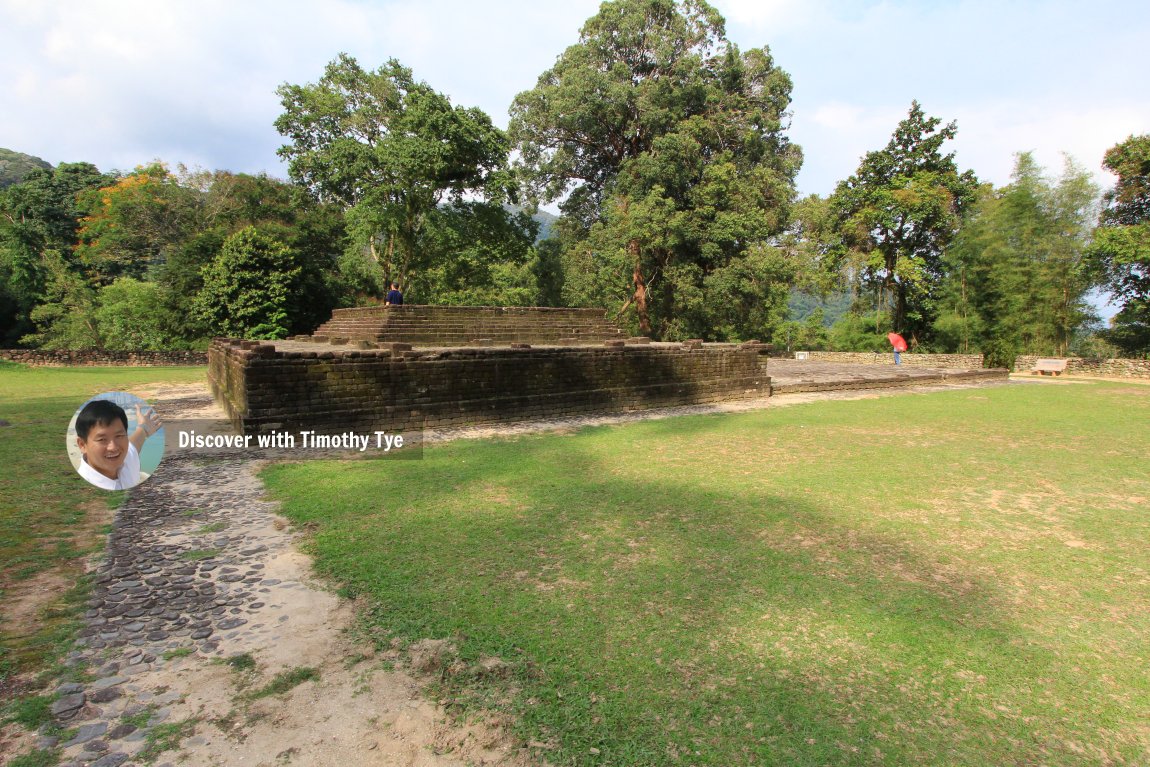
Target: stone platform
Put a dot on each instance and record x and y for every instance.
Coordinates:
(332, 388)
(793, 376)
(439, 326)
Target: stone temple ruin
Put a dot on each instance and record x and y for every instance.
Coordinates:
(408, 367)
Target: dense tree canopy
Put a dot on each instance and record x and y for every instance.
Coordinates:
(39, 218)
(669, 146)
(1017, 283)
(132, 224)
(390, 150)
(667, 150)
(248, 287)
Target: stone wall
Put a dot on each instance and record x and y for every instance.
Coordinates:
(1117, 368)
(72, 358)
(397, 389)
(910, 359)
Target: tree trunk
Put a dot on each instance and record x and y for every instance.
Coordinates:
(640, 288)
(899, 318)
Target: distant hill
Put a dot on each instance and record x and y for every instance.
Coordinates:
(14, 166)
(546, 224)
(802, 305)
(545, 220)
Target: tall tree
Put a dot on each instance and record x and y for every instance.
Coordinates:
(65, 316)
(1016, 277)
(391, 150)
(1121, 251)
(669, 148)
(898, 213)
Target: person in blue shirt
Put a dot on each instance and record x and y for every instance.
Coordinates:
(394, 297)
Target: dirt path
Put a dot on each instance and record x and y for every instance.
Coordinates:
(202, 600)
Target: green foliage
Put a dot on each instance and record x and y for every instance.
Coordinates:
(818, 249)
(241, 662)
(897, 214)
(746, 298)
(88, 260)
(134, 315)
(66, 316)
(30, 712)
(669, 147)
(1018, 280)
(38, 223)
(855, 332)
(230, 202)
(810, 334)
(1091, 341)
(547, 268)
(832, 306)
(140, 719)
(285, 681)
(1120, 255)
(164, 737)
(177, 653)
(248, 287)
(36, 758)
(390, 150)
(15, 166)
(131, 225)
(477, 254)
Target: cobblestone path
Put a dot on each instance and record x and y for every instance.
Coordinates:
(185, 567)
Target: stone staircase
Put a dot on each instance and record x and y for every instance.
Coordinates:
(436, 326)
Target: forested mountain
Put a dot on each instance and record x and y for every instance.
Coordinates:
(14, 166)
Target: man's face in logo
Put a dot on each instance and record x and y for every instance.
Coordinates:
(106, 448)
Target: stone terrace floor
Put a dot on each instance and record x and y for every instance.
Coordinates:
(806, 375)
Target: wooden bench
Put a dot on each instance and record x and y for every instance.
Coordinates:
(1048, 367)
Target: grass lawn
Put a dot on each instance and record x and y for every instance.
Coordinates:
(46, 509)
(956, 578)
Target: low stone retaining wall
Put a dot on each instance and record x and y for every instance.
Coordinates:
(909, 359)
(74, 358)
(399, 389)
(1116, 368)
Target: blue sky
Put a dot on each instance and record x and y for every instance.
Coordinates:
(122, 82)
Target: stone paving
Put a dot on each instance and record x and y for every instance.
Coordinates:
(791, 376)
(183, 568)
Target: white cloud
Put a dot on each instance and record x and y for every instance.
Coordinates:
(121, 82)
(989, 136)
(768, 14)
